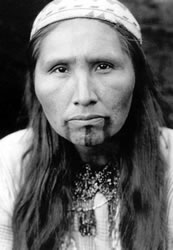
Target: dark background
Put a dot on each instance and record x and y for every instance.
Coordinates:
(16, 16)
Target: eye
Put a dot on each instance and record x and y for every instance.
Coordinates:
(104, 67)
(61, 69)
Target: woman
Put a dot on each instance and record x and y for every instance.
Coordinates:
(93, 170)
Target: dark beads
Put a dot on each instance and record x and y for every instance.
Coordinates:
(87, 223)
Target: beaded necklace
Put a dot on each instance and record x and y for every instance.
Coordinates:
(86, 185)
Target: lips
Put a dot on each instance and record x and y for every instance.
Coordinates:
(86, 120)
(85, 117)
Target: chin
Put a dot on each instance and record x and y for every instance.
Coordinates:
(88, 140)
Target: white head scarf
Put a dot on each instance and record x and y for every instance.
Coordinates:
(108, 10)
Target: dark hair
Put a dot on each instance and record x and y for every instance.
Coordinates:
(41, 218)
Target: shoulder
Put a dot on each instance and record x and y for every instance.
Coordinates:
(166, 144)
(12, 149)
(19, 139)
(167, 137)
(166, 140)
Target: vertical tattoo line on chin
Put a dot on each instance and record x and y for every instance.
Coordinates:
(88, 138)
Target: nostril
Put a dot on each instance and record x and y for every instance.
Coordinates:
(93, 102)
(86, 103)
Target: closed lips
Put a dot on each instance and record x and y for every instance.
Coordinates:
(86, 117)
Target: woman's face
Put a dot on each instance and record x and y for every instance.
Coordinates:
(84, 81)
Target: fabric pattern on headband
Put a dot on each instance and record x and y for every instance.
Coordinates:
(107, 10)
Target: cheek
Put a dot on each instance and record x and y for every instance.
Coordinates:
(53, 108)
(120, 99)
(120, 107)
(52, 105)
(124, 100)
(53, 111)
(48, 95)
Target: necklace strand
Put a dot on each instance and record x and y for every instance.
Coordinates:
(87, 183)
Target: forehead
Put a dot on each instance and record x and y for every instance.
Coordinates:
(80, 36)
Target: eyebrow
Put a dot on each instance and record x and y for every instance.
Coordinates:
(89, 59)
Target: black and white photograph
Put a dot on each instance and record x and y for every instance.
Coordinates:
(86, 127)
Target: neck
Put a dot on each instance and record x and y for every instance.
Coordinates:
(98, 155)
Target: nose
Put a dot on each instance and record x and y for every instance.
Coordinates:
(84, 93)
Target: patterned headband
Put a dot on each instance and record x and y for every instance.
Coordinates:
(108, 10)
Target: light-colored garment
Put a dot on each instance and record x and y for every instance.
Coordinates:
(12, 148)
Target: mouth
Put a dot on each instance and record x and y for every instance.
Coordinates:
(86, 117)
(87, 120)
